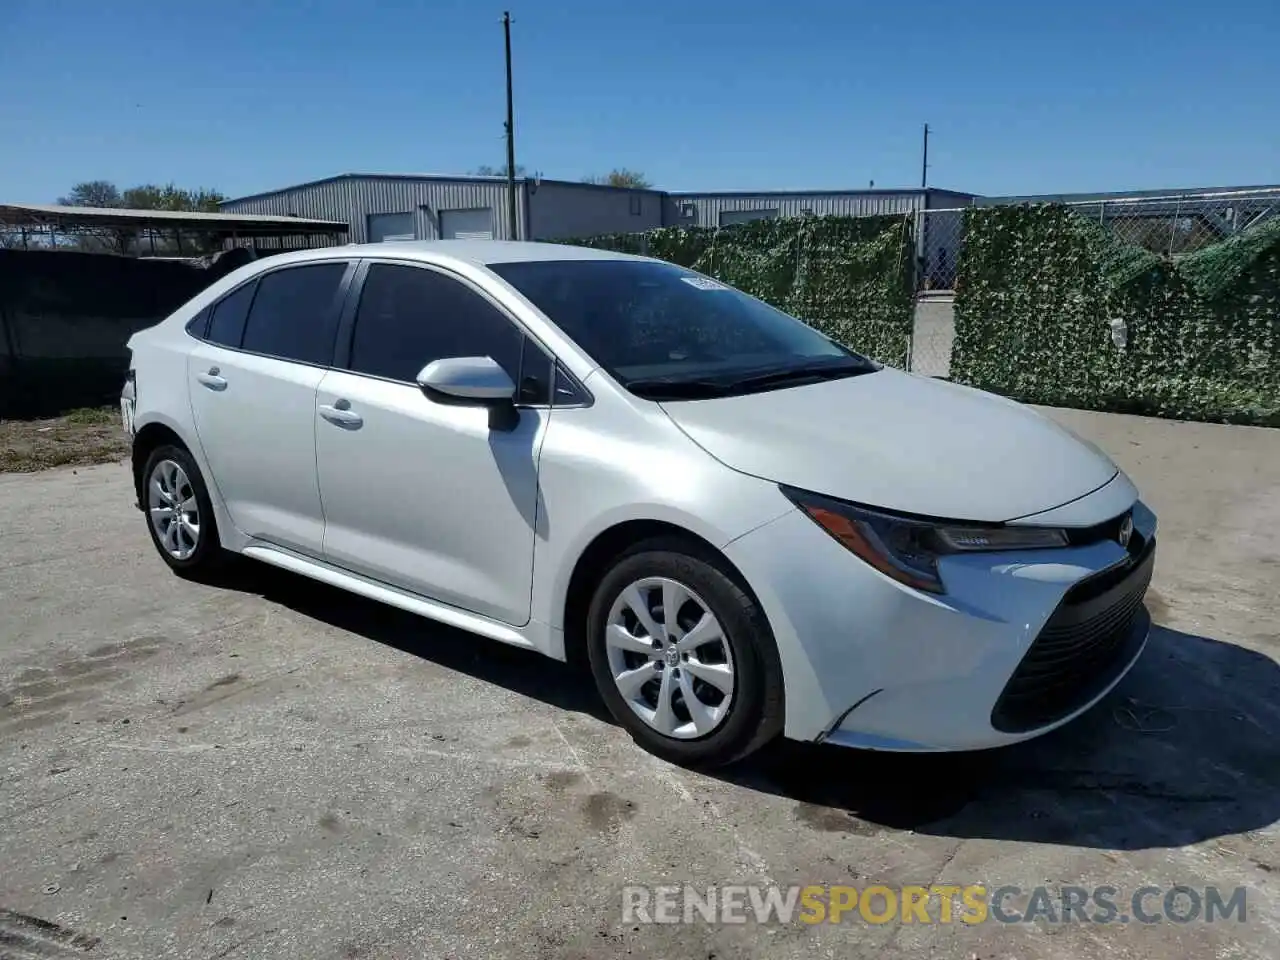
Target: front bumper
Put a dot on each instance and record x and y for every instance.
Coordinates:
(1021, 643)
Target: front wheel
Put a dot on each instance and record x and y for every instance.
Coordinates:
(179, 512)
(683, 656)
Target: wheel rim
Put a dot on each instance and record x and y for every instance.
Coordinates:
(670, 658)
(175, 515)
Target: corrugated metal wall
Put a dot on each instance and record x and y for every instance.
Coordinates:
(703, 210)
(557, 209)
(353, 199)
(560, 210)
(948, 199)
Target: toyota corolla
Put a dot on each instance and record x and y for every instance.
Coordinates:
(745, 528)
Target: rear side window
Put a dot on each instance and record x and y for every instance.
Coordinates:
(409, 316)
(198, 325)
(227, 325)
(295, 313)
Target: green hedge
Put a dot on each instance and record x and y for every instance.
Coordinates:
(1039, 285)
(850, 277)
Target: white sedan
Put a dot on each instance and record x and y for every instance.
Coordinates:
(746, 529)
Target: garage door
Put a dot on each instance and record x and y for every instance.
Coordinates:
(390, 226)
(473, 224)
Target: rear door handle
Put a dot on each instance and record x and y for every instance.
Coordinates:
(341, 414)
(213, 379)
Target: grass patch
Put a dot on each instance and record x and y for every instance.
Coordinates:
(93, 416)
(81, 437)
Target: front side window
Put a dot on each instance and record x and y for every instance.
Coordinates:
(537, 373)
(655, 326)
(410, 316)
(295, 313)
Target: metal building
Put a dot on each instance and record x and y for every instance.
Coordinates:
(394, 207)
(724, 209)
(560, 209)
(400, 207)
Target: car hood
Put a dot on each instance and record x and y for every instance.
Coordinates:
(901, 442)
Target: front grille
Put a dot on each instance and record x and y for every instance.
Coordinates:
(1091, 636)
(1106, 530)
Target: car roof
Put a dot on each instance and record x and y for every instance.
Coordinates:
(479, 252)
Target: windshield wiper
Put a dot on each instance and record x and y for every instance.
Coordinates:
(674, 388)
(815, 372)
(677, 388)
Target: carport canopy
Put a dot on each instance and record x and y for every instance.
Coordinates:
(229, 224)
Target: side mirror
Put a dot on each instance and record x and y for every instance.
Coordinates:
(477, 380)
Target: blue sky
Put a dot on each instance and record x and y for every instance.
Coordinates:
(1023, 97)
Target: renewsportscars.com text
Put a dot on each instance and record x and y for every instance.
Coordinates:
(935, 904)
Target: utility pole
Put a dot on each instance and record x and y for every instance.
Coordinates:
(924, 162)
(511, 135)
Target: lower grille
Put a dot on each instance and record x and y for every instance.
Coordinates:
(1086, 643)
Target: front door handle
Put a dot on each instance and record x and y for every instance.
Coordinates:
(213, 379)
(341, 414)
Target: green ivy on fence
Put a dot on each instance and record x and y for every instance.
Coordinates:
(1040, 288)
(850, 277)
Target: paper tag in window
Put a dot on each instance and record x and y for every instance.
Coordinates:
(702, 283)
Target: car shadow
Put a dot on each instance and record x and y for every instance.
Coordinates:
(519, 670)
(1187, 748)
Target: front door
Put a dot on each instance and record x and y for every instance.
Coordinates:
(437, 498)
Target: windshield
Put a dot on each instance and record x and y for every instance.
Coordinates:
(666, 332)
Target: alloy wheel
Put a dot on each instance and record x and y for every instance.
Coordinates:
(670, 658)
(174, 512)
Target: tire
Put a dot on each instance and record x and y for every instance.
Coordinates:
(725, 725)
(196, 553)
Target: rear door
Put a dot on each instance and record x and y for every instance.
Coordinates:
(252, 384)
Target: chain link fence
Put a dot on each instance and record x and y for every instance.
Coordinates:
(1172, 227)
(939, 244)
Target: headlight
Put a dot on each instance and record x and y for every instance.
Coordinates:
(907, 549)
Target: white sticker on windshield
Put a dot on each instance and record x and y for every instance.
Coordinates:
(702, 283)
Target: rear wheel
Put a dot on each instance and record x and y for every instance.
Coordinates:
(683, 656)
(179, 513)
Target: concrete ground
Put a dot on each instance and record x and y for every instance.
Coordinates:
(271, 768)
(933, 334)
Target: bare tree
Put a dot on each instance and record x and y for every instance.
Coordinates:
(621, 177)
(487, 171)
